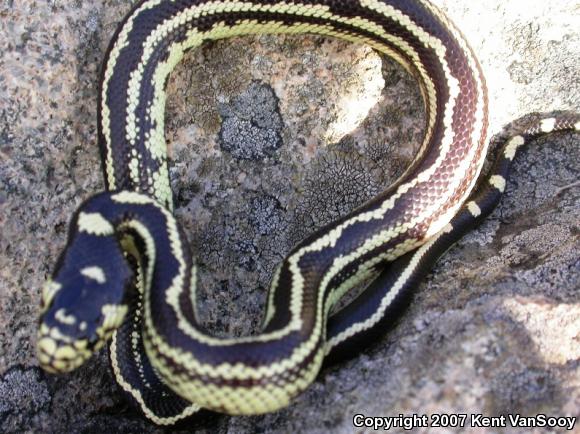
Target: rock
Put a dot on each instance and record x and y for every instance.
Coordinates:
(494, 328)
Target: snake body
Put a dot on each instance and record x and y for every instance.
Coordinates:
(126, 272)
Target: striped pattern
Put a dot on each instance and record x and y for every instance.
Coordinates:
(161, 356)
(151, 41)
(377, 308)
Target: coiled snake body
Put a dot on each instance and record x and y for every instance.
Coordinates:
(126, 272)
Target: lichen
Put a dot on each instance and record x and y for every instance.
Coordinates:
(22, 394)
(251, 124)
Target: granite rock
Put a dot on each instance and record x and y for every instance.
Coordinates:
(494, 329)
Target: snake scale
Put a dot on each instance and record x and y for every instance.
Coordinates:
(126, 276)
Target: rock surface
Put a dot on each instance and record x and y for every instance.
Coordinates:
(494, 329)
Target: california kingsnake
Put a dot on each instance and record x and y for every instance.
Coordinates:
(126, 271)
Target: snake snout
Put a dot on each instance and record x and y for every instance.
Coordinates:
(67, 340)
(62, 343)
(80, 311)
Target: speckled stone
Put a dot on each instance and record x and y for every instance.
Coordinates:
(495, 327)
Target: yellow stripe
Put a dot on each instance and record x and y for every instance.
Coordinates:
(273, 395)
(358, 327)
(331, 238)
(155, 138)
(188, 411)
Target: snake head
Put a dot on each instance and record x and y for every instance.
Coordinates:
(83, 303)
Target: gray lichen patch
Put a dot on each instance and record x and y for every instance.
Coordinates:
(251, 124)
(245, 215)
(265, 214)
(237, 254)
(23, 394)
(336, 183)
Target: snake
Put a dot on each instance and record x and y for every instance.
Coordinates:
(126, 276)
